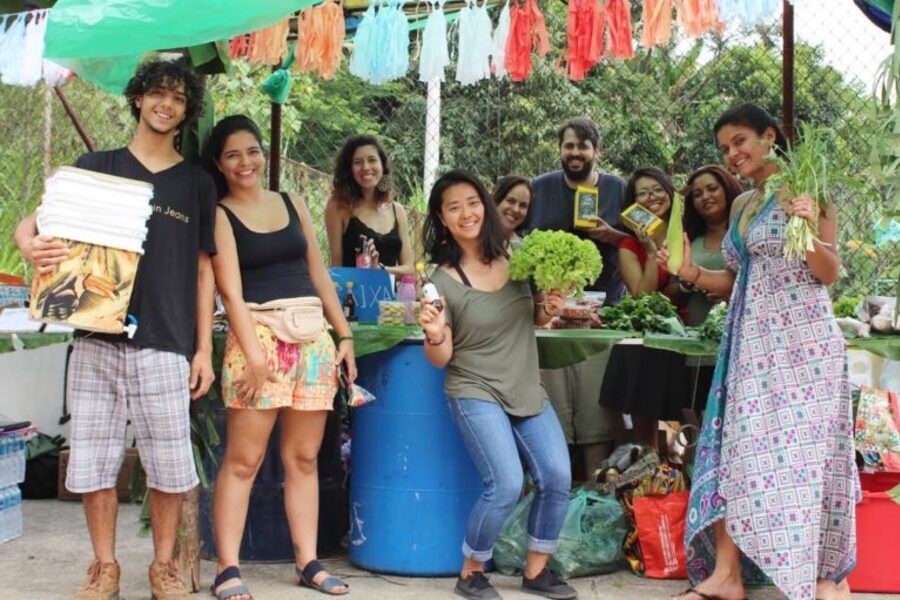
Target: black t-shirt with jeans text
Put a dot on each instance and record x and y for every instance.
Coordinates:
(164, 299)
(553, 208)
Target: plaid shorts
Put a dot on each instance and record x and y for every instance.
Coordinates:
(111, 382)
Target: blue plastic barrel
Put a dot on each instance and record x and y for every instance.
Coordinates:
(412, 483)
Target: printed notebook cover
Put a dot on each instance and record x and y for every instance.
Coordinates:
(90, 290)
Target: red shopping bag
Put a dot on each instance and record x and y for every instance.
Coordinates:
(660, 529)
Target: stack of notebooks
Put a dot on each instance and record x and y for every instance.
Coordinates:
(102, 219)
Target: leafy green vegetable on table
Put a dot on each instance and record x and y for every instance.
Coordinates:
(647, 312)
(556, 260)
(714, 325)
(845, 306)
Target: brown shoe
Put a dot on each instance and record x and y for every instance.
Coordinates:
(100, 583)
(166, 584)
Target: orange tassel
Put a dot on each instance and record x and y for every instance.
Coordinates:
(657, 18)
(584, 35)
(526, 28)
(320, 39)
(618, 18)
(271, 44)
(699, 16)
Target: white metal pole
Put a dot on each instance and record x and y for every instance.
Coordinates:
(432, 135)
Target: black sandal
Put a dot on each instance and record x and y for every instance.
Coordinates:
(308, 574)
(233, 591)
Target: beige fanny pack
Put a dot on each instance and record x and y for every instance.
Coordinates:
(294, 320)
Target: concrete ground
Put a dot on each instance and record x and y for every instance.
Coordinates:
(48, 562)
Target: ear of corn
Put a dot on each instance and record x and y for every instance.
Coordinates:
(675, 235)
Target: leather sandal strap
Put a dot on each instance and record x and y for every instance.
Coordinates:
(312, 568)
(227, 573)
(700, 594)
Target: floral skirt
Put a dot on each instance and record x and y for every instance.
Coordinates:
(305, 374)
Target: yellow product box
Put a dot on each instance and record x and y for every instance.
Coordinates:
(637, 217)
(587, 206)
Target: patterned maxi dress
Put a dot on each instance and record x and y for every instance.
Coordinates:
(775, 457)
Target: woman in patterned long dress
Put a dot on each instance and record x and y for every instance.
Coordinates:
(775, 483)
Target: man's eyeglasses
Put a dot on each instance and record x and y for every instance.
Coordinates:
(657, 191)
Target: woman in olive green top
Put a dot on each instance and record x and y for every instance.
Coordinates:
(709, 194)
(484, 335)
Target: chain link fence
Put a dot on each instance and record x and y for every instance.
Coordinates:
(657, 109)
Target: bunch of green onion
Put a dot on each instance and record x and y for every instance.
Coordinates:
(803, 169)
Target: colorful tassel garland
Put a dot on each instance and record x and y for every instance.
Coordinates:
(526, 28)
(320, 39)
(699, 16)
(22, 48)
(584, 34)
(618, 19)
(241, 44)
(435, 56)
(501, 35)
(475, 44)
(270, 45)
(657, 22)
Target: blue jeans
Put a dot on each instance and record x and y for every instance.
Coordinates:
(495, 440)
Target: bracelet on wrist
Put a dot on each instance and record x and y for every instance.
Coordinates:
(696, 277)
(345, 338)
(432, 342)
(686, 286)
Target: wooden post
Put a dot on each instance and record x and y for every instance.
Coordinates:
(787, 71)
(187, 548)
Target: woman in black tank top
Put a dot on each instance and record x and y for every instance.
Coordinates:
(362, 206)
(267, 252)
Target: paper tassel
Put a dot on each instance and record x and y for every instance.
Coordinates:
(618, 19)
(393, 37)
(435, 56)
(381, 46)
(22, 48)
(360, 58)
(749, 12)
(501, 35)
(475, 44)
(270, 44)
(698, 16)
(584, 35)
(526, 27)
(320, 39)
(12, 47)
(657, 21)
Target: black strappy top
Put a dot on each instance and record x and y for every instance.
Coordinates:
(273, 265)
(388, 244)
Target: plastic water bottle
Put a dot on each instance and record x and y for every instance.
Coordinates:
(5, 470)
(406, 293)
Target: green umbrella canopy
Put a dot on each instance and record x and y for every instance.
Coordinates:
(103, 40)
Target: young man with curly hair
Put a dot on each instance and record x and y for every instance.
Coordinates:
(151, 377)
